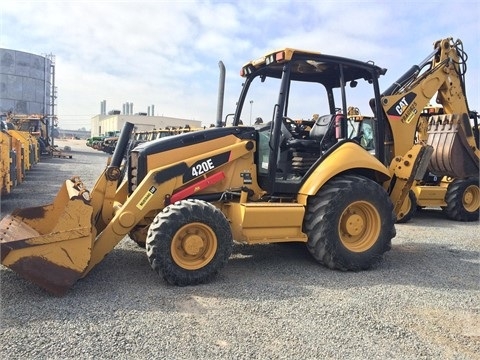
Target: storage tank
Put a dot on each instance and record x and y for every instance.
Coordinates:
(25, 83)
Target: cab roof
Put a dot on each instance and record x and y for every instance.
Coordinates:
(311, 66)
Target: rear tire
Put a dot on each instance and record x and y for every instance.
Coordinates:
(350, 223)
(409, 208)
(189, 242)
(463, 200)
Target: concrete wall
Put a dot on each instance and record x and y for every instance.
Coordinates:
(25, 83)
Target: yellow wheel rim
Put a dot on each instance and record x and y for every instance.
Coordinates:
(194, 246)
(471, 198)
(359, 226)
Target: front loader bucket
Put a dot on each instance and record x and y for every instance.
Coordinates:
(50, 245)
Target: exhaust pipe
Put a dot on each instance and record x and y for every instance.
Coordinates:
(221, 93)
(122, 145)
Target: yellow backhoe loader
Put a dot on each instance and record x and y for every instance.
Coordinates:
(451, 181)
(37, 129)
(290, 176)
(18, 154)
(8, 160)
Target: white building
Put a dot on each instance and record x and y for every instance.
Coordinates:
(114, 121)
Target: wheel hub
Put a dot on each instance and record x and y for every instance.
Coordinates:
(471, 198)
(359, 226)
(354, 225)
(192, 244)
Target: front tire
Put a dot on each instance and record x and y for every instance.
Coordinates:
(463, 200)
(350, 223)
(189, 242)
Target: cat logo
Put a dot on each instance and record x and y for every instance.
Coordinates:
(401, 106)
(402, 109)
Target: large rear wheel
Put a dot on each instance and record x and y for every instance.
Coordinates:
(463, 199)
(189, 242)
(350, 223)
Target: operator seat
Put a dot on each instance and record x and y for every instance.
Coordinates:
(321, 136)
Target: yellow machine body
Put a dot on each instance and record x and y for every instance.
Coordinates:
(55, 245)
(187, 197)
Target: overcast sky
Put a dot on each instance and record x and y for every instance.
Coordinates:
(166, 53)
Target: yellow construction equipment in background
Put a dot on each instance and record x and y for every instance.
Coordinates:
(24, 139)
(19, 151)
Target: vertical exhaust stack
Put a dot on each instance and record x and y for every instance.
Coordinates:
(122, 145)
(221, 93)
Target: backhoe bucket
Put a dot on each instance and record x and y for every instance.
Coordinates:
(455, 152)
(50, 245)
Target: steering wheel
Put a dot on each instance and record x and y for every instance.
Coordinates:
(291, 126)
(286, 130)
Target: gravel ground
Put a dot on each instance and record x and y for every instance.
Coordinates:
(270, 301)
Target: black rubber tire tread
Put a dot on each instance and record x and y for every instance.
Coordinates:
(323, 214)
(455, 209)
(163, 229)
(411, 212)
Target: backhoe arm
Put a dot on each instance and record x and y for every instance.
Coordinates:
(404, 101)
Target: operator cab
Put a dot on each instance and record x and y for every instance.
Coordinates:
(303, 99)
